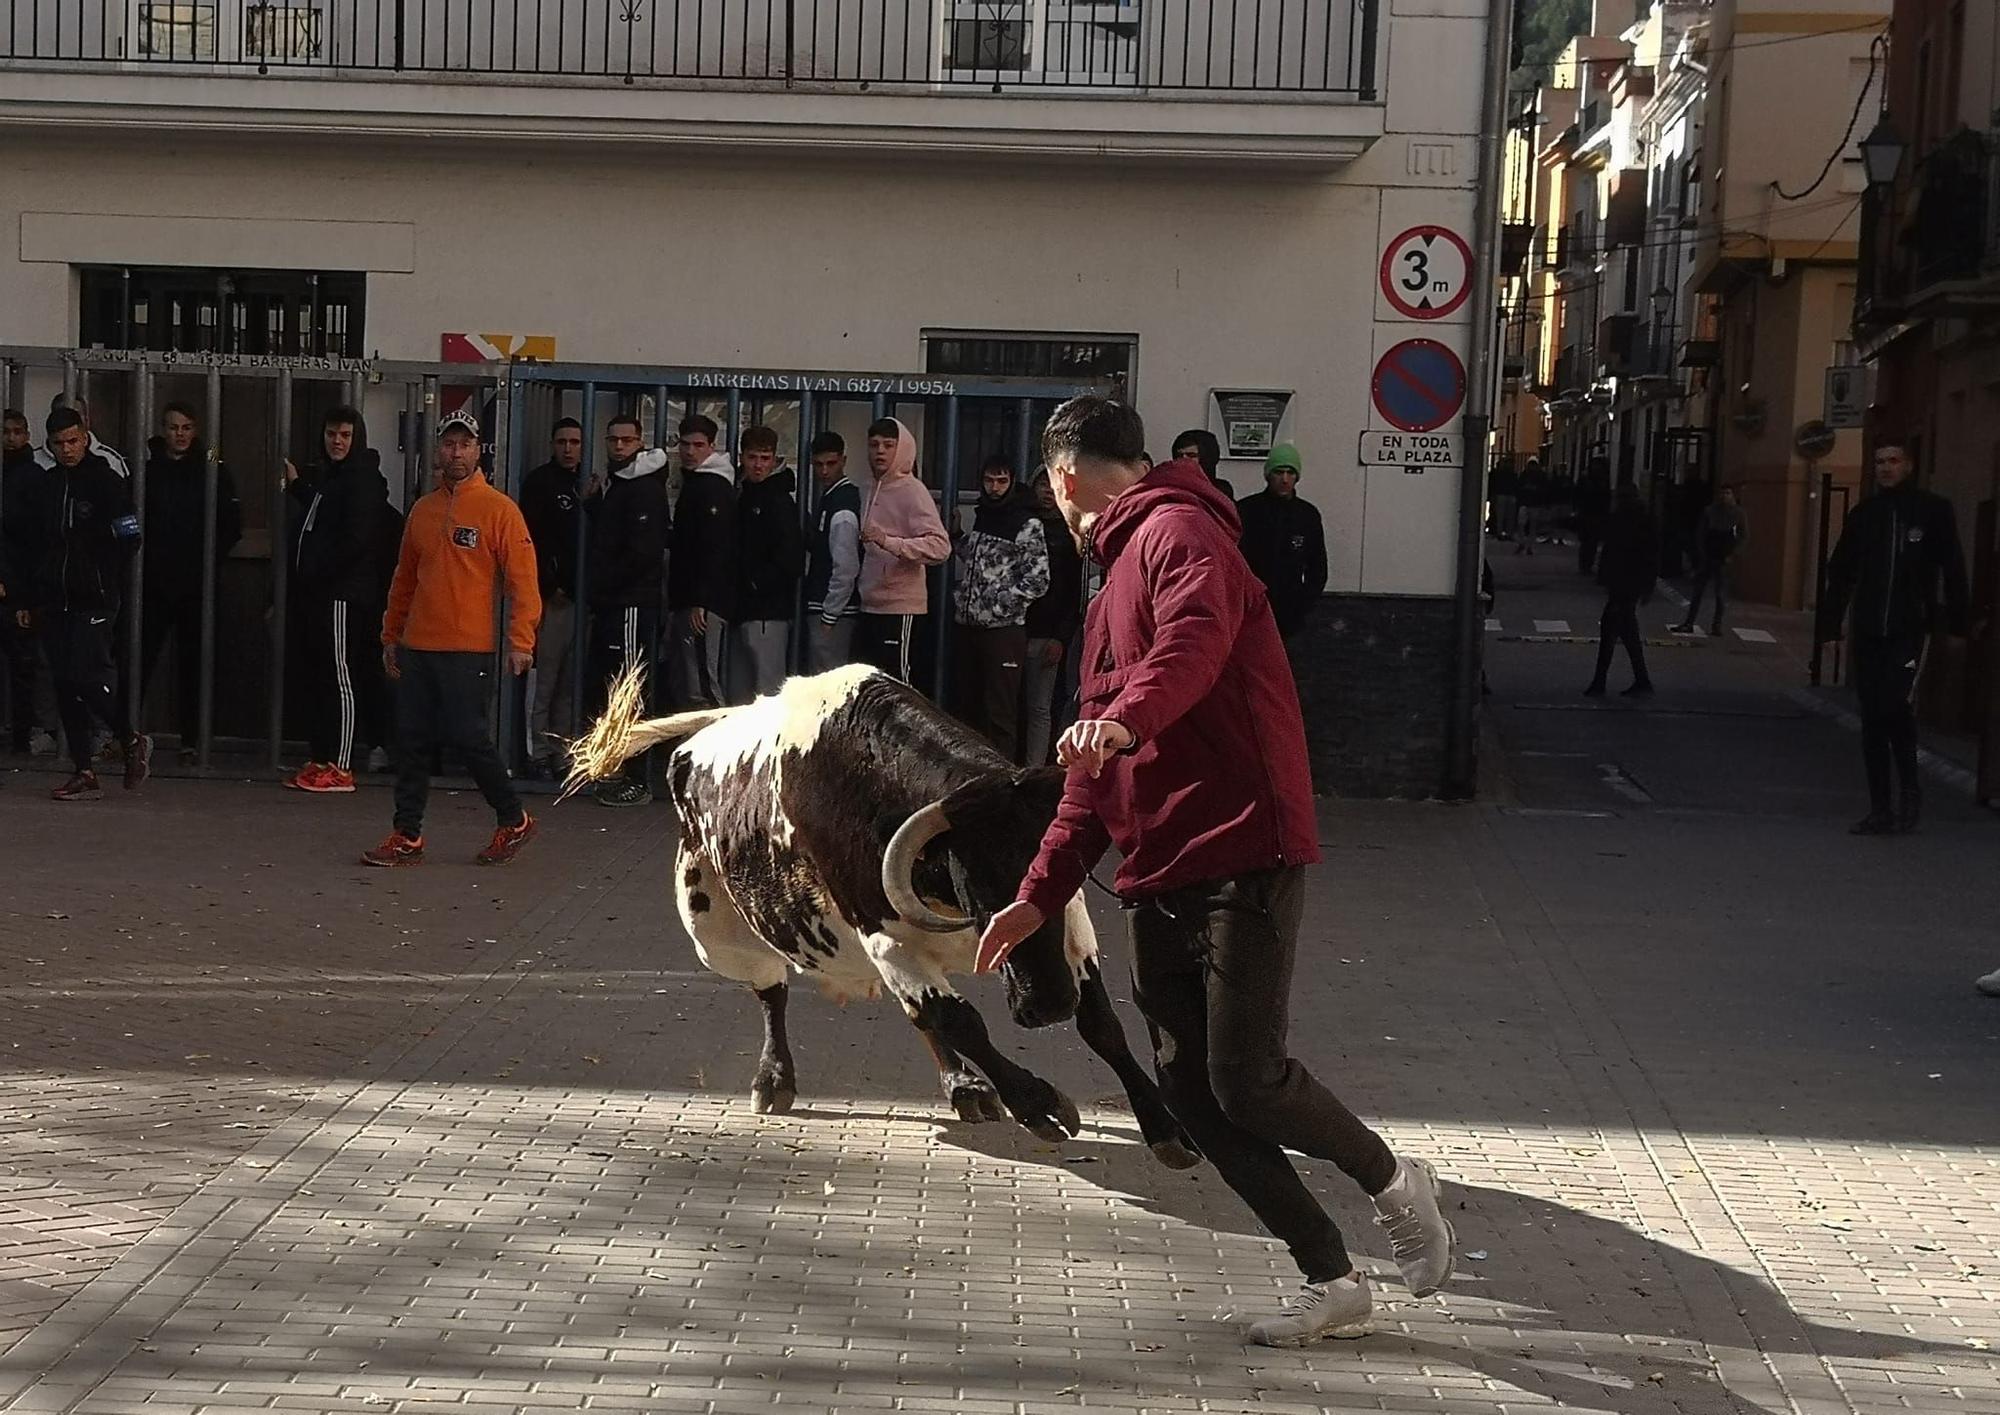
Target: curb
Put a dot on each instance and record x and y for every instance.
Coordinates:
(1942, 770)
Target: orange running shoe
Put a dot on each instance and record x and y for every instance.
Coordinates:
(398, 849)
(507, 841)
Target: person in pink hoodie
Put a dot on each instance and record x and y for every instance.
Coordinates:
(901, 535)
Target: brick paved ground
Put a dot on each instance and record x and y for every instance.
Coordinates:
(1708, 1077)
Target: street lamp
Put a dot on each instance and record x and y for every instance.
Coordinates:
(1882, 153)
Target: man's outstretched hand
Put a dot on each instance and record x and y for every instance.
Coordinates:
(1009, 927)
(1093, 742)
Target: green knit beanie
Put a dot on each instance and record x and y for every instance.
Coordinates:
(1285, 458)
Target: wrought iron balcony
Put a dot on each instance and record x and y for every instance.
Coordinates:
(1298, 48)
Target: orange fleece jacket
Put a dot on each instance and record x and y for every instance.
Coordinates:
(458, 545)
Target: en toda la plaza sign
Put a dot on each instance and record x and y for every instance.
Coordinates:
(1411, 451)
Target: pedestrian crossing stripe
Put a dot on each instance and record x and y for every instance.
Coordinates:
(1756, 636)
(1492, 626)
(1552, 626)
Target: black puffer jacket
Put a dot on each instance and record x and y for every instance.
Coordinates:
(339, 516)
(1285, 544)
(1899, 566)
(83, 532)
(174, 522)
(770, 548)
(626, 568)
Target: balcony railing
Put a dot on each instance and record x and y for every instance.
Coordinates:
(1936, 240)
(1303, 47)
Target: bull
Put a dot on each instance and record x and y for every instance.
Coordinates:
(847, 830)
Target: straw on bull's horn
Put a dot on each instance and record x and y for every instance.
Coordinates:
(899, 869)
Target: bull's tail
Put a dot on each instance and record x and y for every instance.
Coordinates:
(620, 734)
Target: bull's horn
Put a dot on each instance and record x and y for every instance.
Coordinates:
(899, 871)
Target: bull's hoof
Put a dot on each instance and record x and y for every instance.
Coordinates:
(769, 1096)
(1058, 1122)
(1175, 1153)
(975, 1102)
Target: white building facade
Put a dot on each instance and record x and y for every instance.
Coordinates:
(1188, 196)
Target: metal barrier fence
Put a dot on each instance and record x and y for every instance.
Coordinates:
(1264, 46)
(259, 411)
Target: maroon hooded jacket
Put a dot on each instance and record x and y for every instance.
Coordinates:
(1180, 648)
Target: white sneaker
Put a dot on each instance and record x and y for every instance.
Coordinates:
(1990, 984)
(378, 759)
(1337, 1309)
(45, 744)
(1420, 1238)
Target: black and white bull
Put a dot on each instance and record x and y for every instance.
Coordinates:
(848, 830)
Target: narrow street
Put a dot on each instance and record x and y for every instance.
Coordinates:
(1707, 1077)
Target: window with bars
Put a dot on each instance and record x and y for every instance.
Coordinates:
(293, 313)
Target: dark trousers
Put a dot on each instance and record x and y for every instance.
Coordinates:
(24, 661)
(898, 644)
(176, 618)
(443, 703)
(85, 672)
(347, 697)
(1712, 573)
(621, 634)
(1212, 974)
(1620, 625)
(1587, 541)
(986, 679)
(1886, 670)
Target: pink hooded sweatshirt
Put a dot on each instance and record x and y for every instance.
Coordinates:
(900, 507)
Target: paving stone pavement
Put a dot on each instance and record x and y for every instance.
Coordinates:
(1712, 1093)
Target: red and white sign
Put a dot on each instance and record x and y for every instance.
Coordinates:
(1427, 272)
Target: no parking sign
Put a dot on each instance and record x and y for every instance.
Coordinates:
(1419, 385)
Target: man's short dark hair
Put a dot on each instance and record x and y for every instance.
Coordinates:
(1896, 444)
(829, 441)
(627, 420)
(62, 420)
(1207, 450)
(177, 407)
(565, 425)
(14, 415)
(758, 439)
(997, 461)
(341, 413)
(885, 427)
(1094, 427)
(698, 424)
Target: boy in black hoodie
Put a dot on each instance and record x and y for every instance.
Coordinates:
(701, 576)
(625, 570)
(176, 535)
(84, 533)
(770, 557)
(20, 475)
(339, 509)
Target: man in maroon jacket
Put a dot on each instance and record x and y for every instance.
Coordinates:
(1190, 756)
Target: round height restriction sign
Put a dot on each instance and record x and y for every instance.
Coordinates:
(1419, 385)
(1427, 272)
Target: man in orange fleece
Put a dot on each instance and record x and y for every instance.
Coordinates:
(460, 543)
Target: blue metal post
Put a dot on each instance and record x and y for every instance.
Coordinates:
(735, 420)
(507, 474)
(881, 407)
(1024, 440)
(808, 505)
(580, 627)
(948, 449)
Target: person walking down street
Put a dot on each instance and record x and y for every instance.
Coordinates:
(901, 536)
(627, 574)
(1628, 566)
(1204, 447)
(21, 479)
(1899, 569)
(1529, 494)
(1719, 534)
(1501, 499)
(1284, 541)
(833, 570)
(551, 501)
(1190, 758)
(84, 532)
(177, 531)
(1053, 622)
(465, 550)
(701, 571)
(339, 507)
(1003, 568)
(1593, 504)
(770, 557)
